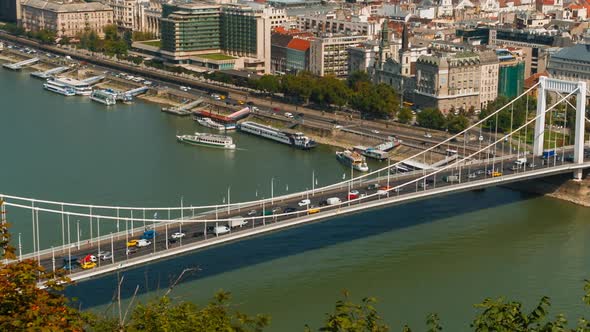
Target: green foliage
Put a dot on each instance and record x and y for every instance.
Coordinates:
(507, 119)
(376, 100)
(44, 36)
(140, 36)
(352, 317)
(268, 83)
(457, 123)
(357, 77)
(13, 29)
(405, 115)
(162, 315)
(112, 44)
(431, 118)
(128, 38)
(330, 91)
(26, 307)
(298, 87)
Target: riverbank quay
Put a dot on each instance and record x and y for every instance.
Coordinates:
(324, 132)
(234, 92)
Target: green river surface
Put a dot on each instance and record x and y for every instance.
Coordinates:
(441, 255)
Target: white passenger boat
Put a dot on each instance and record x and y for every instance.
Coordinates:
(212, 140)
(81, 88)
(104, 97)
(207, 122)
(298, 140)
(59, 88)
(352, 159)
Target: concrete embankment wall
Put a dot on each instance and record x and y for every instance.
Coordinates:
(559, 186)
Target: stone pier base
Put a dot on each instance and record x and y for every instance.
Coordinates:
(561, 186)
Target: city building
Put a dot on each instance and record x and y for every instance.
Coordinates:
(329, 55)
(9, 10)
(340, 24)
(66, 19)
(448, 81)
(534, 44)
(511, 74)
(197, 29)
(362, 57)
(137, 15)
(571, 63)
(488, 84)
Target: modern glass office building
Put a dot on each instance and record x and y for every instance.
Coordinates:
(232, 29)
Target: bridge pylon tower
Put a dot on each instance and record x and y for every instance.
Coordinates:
(578, 89)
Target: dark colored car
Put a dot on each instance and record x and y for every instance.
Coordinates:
(289, 210)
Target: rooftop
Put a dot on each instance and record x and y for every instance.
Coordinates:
(578, 52)
(61, 7)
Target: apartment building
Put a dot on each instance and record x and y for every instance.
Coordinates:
(137, 15)
(66, 19)
(448, 81)
(329, 55)
(332, 23)
(488, 82)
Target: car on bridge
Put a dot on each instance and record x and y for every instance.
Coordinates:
(252, 213)
(143, 243)
(131, 250)
(289, 210)
(105, 255)
(304, 202)
(70, 263)
(313, 210)
(88, 265)
(178, 235)
(496, 174)
(373, 186)
(132, 243)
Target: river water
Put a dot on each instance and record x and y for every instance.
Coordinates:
(441, 255)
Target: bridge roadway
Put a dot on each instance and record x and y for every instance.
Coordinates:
(197, 238)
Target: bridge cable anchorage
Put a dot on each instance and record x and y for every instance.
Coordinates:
(341, 184)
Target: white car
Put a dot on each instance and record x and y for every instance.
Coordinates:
(381, 192)
(428, 135)
(104, 255)
(375, 131)
(143, 243)
(178, 235)
(304, 202)
(289, 115)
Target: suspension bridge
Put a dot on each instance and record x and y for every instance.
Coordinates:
(505, 157)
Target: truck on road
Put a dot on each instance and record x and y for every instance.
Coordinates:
(237, 222)
(333, 201)
(451, 178)
(548, 153)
